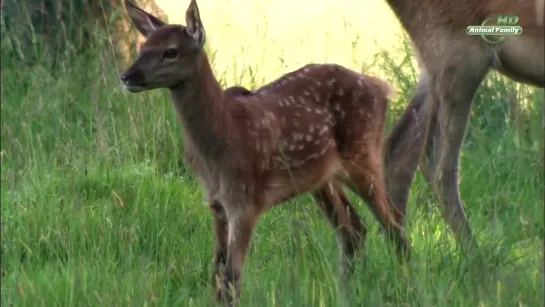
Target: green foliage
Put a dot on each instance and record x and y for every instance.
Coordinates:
(98, 208)
(47, 30)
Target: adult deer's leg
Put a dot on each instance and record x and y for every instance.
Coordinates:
(241, 223)
(452, 91)
(367, 180)
(220, 255)
(404, 144)
(410, 145)
(342, 215)
(431, 134)
(455, 76)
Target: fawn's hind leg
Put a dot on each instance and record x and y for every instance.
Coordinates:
(341, 214)
(366, 179)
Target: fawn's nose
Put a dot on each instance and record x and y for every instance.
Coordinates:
(125, 78)
(133, 81)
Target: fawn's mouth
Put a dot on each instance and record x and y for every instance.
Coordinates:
(134, 88)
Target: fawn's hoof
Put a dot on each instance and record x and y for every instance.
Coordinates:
(226, 295)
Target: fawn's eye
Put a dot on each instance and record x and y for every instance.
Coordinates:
(170, 53)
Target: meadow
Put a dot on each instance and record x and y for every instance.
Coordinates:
(98, 208)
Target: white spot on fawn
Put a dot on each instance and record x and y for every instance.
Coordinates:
(330, 120)
(323, 130)
(297, 136)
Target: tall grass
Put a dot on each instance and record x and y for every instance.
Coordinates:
(98, 207)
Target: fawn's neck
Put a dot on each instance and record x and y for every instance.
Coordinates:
(201, 109)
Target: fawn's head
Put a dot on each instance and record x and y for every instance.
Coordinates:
(170, 55)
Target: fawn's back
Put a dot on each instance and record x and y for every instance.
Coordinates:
(309, 126)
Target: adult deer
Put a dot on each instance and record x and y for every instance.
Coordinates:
(453, 65)
(312, 130)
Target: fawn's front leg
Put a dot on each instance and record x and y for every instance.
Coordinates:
(220, 255)
(241, 221)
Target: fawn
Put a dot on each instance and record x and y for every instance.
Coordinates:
(453, 64)
(313, 130)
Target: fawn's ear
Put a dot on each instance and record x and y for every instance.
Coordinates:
(194, 24)
(144, 22)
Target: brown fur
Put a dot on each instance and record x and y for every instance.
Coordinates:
(453, 65)
(312, 130)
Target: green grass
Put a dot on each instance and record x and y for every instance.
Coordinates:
(99, 209)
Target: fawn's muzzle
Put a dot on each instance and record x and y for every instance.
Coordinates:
(133, 82)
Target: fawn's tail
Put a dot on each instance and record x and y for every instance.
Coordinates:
(387, 89)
